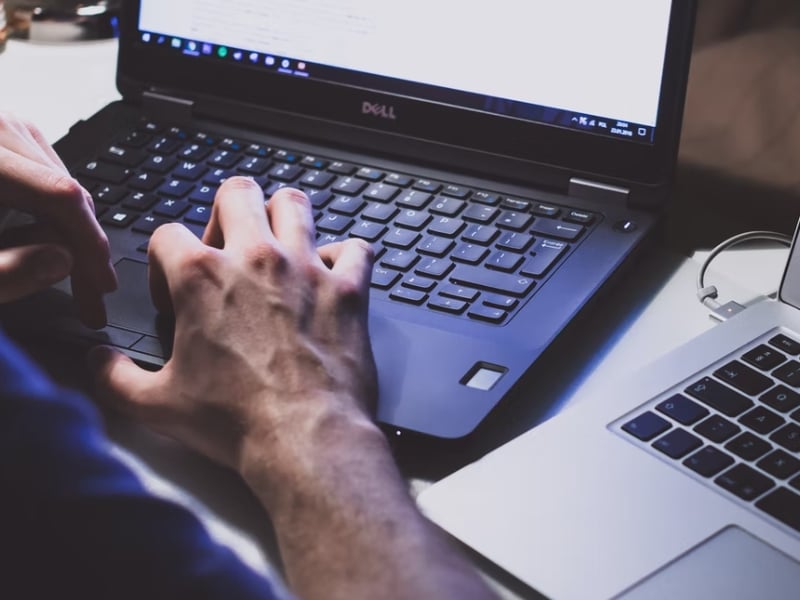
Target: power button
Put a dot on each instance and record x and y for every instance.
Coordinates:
(625, 226)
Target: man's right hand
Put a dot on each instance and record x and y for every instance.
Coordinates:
(66, 238)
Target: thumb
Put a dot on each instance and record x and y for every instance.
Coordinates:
(122, 384)
(28, 269)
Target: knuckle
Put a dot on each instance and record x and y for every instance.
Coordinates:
(198, 264)
(67, 189)
(264, 256)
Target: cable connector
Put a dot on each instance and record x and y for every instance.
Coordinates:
(726, 311)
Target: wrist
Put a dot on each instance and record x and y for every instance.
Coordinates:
(311, 452)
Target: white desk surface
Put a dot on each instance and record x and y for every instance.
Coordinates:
(56, 85)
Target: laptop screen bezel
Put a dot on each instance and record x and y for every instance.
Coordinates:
(142, 67)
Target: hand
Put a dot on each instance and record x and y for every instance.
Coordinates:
(271, 345)
(66, 238)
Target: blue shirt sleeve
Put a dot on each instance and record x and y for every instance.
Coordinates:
(76, 523)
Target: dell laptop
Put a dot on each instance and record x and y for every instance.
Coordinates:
(504, 160)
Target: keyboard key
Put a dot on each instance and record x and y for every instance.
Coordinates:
(786, 344)
(504, 261)
(119, 218)
(382, 213)
(460, 292)
(781, 399)
(434, 267)
(159, 163)
(516, 221)
(743, 378)
(368, 230)
(515, 241)
(471, 254)
(147, 224)
(381, 192)
(346, 205)
(763, 357)
(449, 305)
(401, 238)
(788, 436)
(140, 201)
(480, 234)
(748, 446)
(488, 314)
(719, 397)
(414, 199)
(456, 191)
(677, 443)
(708, 461)
(402, 260)
(500, 301)
(105, 172)
(558, 229)
(516, 204)
(545, 254)
(426, 185)
(480, 213)
(761, 420)
(175, 188)
(413, 219)
(546, 210)
(384, 278)
(789, 373)
(333, 223)
(717, 429)
(190, 171)
(435, 246)
(408, 295)
(485, 279)
(448, 207)
(779, 464)
(370, 174)
(171, 208)
(109, 194)
(745, 482)
(683, 410)
(579, 216)
(783, 505)
(486, 198)
(417, 282)
(124, 156)
(199, 215)
(350, 186)
(646, 426)
(446, 226)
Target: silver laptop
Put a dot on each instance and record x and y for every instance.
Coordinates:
(680, 482)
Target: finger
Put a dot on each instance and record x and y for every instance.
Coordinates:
(26, 235)
(166, 252)
(351, 261)
(122, 384)
(238, 219)
(64, 204)
(20, 137)
(43, 144)
(291, 221)
(28, 269)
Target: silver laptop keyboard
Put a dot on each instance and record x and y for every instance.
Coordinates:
(736, 427)
(470, 253)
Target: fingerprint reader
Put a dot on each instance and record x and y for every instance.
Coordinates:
(484, 377)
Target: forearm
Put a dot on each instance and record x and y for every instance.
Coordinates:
(347, 527)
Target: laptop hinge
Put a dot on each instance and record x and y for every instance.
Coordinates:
(594, 190)
(168, 108)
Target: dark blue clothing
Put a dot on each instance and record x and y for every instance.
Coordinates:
(76, 523)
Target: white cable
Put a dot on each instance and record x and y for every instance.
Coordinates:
(708, 294)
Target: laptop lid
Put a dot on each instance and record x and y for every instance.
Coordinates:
(544, 92)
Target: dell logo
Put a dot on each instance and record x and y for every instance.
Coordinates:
(384, 111)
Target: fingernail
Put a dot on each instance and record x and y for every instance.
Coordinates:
(51, 265)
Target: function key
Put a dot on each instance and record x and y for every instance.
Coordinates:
(203, 138)
(486, 198)
(398, 179)
(178, 133)
(516, 204)
(546, 210)
(342, 168)
(258, 150)
(312, 162)
(786, 344)
(456, 191)
(286, 156)
(231, 144)
(370, 174)
(136, 139)
(580, 216)
(763, 357)
(426, 185)
(150, 126)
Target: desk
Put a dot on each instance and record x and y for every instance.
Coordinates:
(654, 310)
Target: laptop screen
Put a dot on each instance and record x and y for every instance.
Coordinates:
(581, 64)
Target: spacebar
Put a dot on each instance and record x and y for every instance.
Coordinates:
(478, 277)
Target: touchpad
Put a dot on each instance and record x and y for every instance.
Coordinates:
(130, 306)
(732, 565)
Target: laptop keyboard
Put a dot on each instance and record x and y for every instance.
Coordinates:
(737, 427)
(471, 253)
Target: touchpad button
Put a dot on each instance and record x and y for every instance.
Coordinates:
(130, 307)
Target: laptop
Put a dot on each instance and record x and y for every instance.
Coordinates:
(504, 161)
(682, 481)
